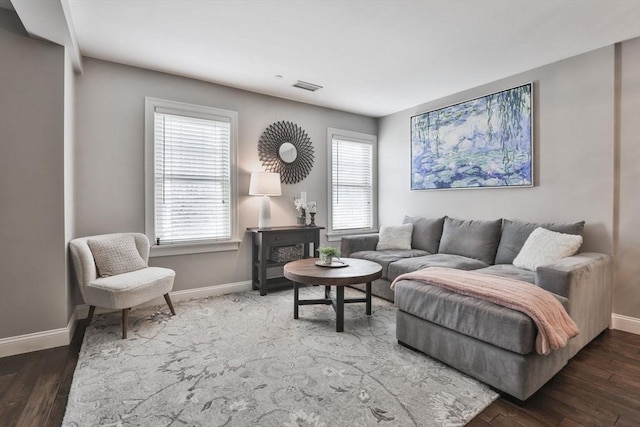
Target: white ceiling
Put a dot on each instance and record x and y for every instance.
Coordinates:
(371, 57)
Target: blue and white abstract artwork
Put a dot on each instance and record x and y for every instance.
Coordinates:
(484, 142)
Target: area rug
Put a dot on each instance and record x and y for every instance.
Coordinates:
(241, 359)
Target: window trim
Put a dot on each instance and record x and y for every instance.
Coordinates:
(334, 133)
(189, 110)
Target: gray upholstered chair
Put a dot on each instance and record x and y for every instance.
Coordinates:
(112, 273)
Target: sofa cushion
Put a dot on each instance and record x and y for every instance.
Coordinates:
(483, 320)
(408, 265)
(384, 258)
(426, 233)
(130, 289)
(510, 271)
(476, 318)
(545, 246)
(515, 233)
(471, 239)
(395, 237)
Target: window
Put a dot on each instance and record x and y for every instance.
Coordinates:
(190, 178)
(352, 183)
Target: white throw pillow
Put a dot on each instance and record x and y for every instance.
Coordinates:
(395, 237)
(544, 246)
(116, 255)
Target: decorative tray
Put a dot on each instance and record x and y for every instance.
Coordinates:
(334, 264)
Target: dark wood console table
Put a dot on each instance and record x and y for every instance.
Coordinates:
(266, 238)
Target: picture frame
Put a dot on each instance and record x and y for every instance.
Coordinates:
(485, 142)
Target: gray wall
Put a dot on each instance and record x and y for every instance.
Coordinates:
(574, 142)
(627, 250)
(109, 172)
(69, 178)
(33, 288)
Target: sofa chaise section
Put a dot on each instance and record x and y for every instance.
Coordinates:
(495, 344)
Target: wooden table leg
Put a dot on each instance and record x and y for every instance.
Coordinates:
(368, 297)
(295, 300)
(339, 308)
(263, 269)
(125, 322)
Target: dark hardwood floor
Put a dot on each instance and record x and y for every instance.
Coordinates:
(599, 387)
(34, 387)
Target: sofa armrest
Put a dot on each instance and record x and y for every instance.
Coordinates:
(361, 242)
(587, 281)
(559, 276)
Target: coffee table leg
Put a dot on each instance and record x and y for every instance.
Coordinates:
(368, 297)
(339, 308)
(327, 292)
(295, 300)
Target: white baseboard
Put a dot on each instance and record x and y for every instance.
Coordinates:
(62, 336)
(38, 340)
(625, 323)
(210, 291)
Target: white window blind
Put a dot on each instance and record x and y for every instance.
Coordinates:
(192, 164)
(352, 185)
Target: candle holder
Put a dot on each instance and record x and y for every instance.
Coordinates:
(313, 219)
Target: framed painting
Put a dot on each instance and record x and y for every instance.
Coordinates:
(485, 142)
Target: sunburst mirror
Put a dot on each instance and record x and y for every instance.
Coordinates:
(285, 147)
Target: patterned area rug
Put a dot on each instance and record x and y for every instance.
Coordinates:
(241, 359)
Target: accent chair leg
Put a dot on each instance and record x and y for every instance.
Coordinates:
(169, 303)
(92, 309)
(125, 321)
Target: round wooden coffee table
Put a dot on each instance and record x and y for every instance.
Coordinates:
(305, 271)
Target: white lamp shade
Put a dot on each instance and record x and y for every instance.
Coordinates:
(265, 184)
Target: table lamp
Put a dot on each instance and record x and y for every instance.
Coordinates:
(265, 184)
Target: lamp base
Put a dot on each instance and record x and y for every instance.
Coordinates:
(264, 221)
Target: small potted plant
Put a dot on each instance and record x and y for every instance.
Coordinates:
(327, 254)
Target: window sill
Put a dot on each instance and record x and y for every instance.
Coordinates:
(193, 248)
(335, 237)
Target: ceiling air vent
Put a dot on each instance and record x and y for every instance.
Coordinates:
(307, 86)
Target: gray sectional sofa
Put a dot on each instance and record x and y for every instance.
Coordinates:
(491, 343)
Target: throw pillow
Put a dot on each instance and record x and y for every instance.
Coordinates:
(426, 233)
(544, 246)
(116, 255)
(515, 233)
(395, 237)
(471, 238)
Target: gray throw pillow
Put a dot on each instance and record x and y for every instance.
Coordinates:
(472, 239)
(515, 233)
(116, 255)
(426, 233)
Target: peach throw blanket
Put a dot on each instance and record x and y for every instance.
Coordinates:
(555, 327)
